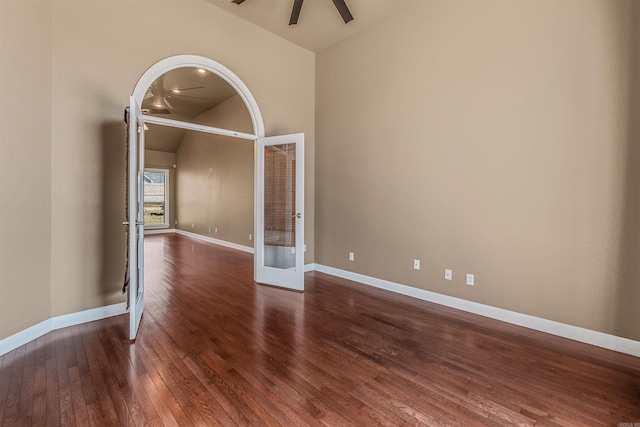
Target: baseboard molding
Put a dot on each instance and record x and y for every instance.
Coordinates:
(611, 342)
(216, 241)
(148, 231)
(36, 331)
(600, 339)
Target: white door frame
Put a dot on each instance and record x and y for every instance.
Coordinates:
(283, 276)
(181, 61)
(136, 217)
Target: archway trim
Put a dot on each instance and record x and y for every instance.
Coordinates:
(181, 61)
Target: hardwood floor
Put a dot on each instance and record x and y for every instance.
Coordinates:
(217, 349)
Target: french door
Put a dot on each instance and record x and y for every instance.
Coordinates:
(136, 217)
(279, 251)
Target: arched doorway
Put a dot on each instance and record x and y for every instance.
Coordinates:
(184, 61)
(279, 242)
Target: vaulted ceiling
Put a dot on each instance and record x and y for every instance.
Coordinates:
(319, 26)
(182, 94)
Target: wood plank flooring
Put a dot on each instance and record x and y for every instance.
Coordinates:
(217, 349)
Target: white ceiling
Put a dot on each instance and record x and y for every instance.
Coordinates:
(319, 26)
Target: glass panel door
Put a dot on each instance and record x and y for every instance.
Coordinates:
(136, 218)
(280, 234)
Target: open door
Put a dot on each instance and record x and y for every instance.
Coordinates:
(136, 218)
(279, 254)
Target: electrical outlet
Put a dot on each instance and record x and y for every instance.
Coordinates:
(250, 236)
(216, 230)
(305, 247)
(416, 264)
(352, 256)
(448, 274)
(193, 226)
(470, 279)
(209, 229)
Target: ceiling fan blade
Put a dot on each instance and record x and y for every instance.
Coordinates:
(155, 111)
(180, 89)
(343, 9)
(237, 1)
(295, 12)
(177, 95)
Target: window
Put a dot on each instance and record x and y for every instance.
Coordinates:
(156, 198)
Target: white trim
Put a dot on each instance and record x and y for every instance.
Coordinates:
(309, 267)
(135, 289)
(148, 231)
(180, 61)
(216, 241)
(85, 316)
(600, 339)
(23, 337)
(196, 127)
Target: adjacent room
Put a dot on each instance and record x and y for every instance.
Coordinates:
(471, 213)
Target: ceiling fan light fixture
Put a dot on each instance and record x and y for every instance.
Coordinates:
(201, 70)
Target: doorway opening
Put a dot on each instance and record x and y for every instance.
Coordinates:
(159, 102)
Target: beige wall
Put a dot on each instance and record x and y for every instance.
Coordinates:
(215, 177)
(164, 160)
(497, 138)
(71, 66)
(491, 137)
(25, 164)
(97, 61)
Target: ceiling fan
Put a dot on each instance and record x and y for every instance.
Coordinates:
(159, 97)
(297, 7)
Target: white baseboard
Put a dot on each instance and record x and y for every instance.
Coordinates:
(148, 231)
(16, 340)
(611, 342)
(216, 241)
